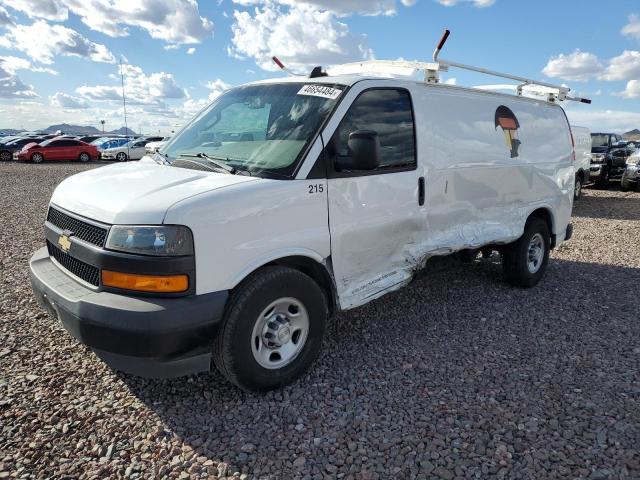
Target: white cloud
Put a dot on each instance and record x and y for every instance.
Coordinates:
(340, 7)
(53, 10)
(623, 67)
(632, 90)
(300, 36)
(578, 66)
(604, 120)
(13, 64)
(62, 100)
(632, 29)
(477, 3)
(12, 87)
(140, 88)
(173, 21)
(42, 42)
(191, 51)
(6, 20)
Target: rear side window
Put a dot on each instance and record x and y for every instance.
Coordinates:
(388, 112)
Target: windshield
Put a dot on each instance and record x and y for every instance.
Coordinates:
(599, 140)
(258, 128)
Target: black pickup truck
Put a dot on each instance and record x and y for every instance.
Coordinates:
(609, 154)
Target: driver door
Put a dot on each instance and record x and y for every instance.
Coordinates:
(376, 217)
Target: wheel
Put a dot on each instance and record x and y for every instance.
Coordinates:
(121, 157)
(525, 260)
(624, 185)
(6, 156)
(272, 330)
(603, 179)
(577, 189)
(37, 158)
(84, 157)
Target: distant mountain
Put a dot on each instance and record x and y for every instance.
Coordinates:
(632, 134)
(9, 131)
(83, 130)
(123, 131)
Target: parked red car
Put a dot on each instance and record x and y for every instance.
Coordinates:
(58, 148)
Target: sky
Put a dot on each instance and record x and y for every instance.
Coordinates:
(60, 59)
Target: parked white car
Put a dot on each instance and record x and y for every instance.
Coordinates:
(153, 147)
(631, 176)
(133, 150)
(582, 142)
(288, 200)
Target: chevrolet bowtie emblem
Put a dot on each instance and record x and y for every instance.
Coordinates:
(64, 243)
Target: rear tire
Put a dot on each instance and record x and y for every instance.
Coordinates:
(525, 260)
(37, 158)
(577, 190)
(6, 156)
(273, 305)
(84, 157)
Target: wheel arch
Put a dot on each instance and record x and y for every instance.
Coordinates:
(318, 271)
(545, 214)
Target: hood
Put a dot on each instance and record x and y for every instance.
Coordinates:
(136, 193)
(599, 149)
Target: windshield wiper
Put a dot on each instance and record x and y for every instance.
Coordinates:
(217, 161)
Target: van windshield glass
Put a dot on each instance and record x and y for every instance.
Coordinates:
(257, 128)
(599, 140)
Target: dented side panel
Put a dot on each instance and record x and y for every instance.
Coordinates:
(484, 176)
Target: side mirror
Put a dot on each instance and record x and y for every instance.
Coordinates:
(364, 151)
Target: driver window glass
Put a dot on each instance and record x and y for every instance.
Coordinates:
(389, 113)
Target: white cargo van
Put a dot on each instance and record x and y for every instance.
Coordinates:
(287, 200)
(582, 141)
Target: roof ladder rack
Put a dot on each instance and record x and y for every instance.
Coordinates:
(432, 69)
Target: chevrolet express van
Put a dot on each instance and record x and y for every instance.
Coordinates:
(287, 200)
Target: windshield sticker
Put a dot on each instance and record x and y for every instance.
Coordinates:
(320, 91)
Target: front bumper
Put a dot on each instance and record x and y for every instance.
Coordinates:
(595, 170)
(146, 336)
(632, 173)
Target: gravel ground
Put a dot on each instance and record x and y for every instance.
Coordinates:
(456, 376)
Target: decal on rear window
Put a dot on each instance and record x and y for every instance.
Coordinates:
(320, 91)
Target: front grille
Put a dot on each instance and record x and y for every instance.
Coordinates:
(84, 271)
(82, 230)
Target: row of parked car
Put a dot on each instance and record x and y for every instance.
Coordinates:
(37, 148)
(602, 157)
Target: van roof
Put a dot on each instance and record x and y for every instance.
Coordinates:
(352, 79)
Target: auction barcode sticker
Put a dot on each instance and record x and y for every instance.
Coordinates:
(320, 91)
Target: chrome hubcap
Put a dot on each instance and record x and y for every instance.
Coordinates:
(536, 253)
(280, 333)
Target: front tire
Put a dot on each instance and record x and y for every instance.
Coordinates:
(6, 156)
(525, 260)
(603, 180)
(121, 157)
(272, 330)
(84, 157)
(37, 158)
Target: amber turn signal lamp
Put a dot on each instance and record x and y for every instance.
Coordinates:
(146, 283)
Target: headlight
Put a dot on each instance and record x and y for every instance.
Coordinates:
(162, 240)
(597, 157)
(633, 160)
